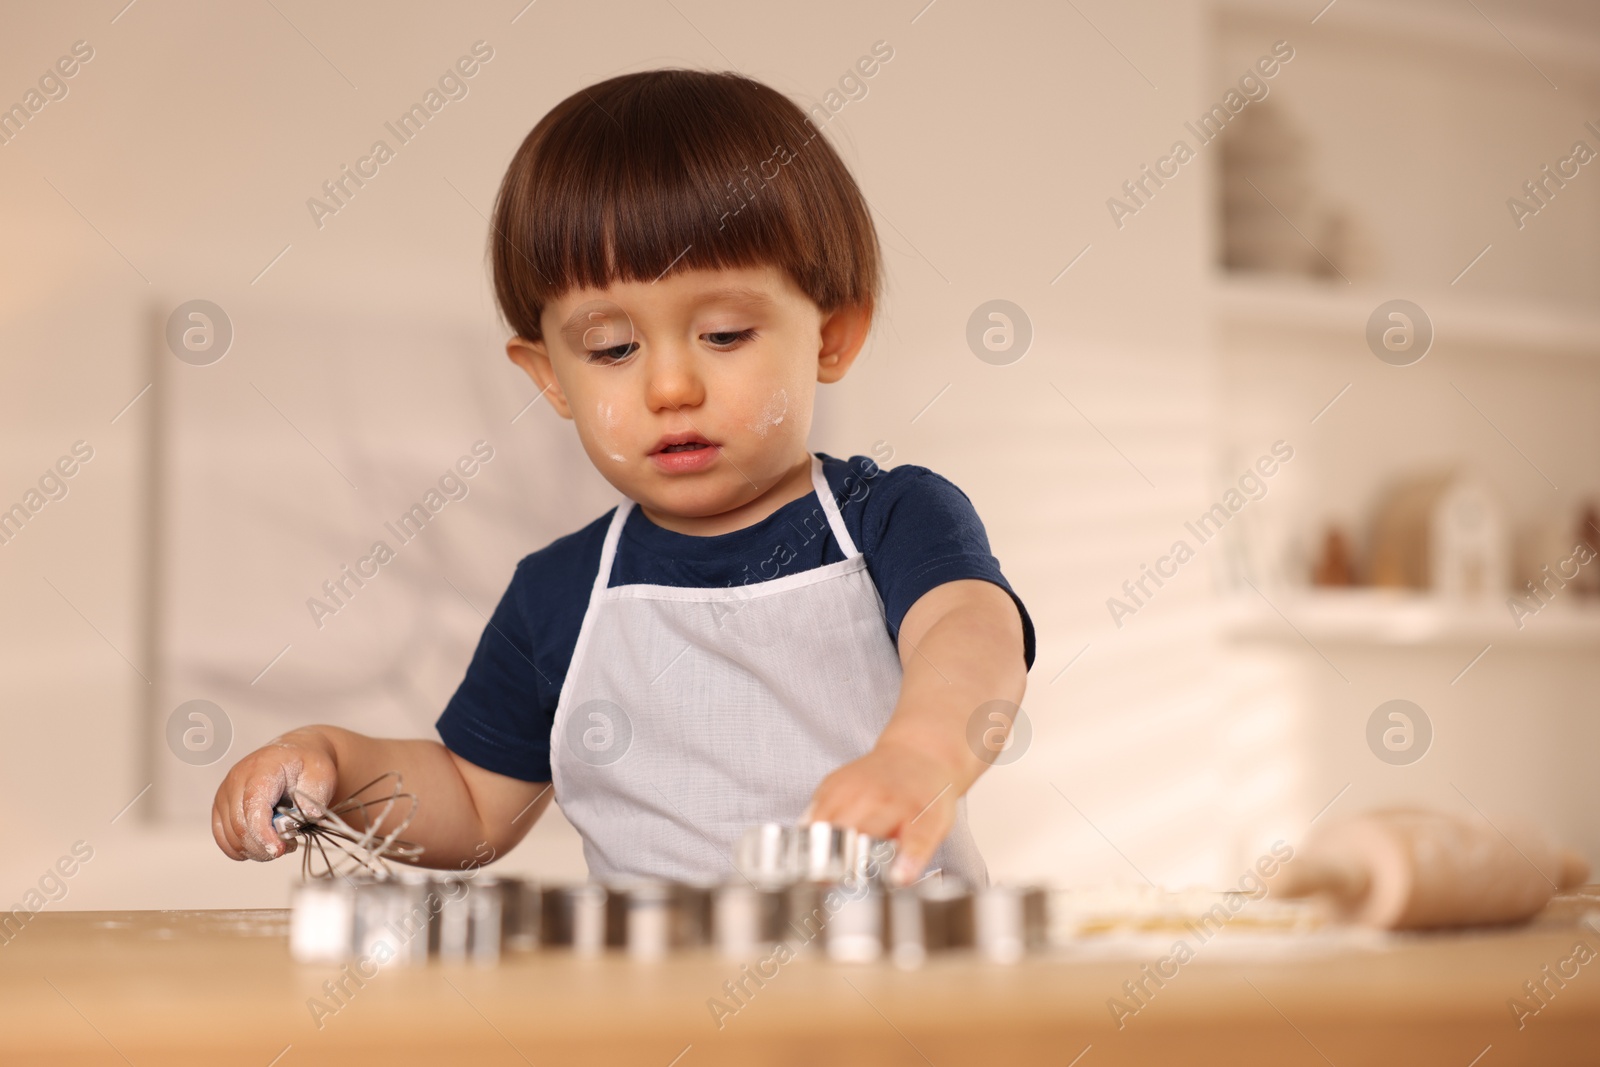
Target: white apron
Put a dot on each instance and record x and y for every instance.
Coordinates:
(688, 715)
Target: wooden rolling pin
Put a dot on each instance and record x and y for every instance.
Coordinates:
(1411, 869)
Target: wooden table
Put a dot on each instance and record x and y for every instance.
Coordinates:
(218, 988)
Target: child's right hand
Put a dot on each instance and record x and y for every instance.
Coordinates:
(300, 762)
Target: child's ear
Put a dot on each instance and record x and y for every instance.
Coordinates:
(843, 333)
(533, 357)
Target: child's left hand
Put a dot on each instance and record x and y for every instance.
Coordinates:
(894, 791)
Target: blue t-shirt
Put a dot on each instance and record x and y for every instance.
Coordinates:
(916, 529)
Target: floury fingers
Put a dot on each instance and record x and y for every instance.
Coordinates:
(1252, 485)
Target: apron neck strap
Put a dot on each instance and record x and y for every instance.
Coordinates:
(608, 549)
(830, 508)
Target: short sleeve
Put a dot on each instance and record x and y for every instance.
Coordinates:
(480, 723)
(919, 531)
(501, 715)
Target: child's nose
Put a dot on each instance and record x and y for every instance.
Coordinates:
(673, 380)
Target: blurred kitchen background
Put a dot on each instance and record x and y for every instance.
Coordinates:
(1444, 451)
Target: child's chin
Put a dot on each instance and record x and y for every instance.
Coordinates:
(696, 497)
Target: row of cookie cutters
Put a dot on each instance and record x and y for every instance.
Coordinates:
(818, 890)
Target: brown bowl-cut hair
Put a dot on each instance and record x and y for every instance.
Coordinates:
(673, 170)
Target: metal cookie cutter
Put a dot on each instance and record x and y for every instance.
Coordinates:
(947, 915)
(322, 922)
(771, 854)
(695, 903)
(469, 916)
(906, 943)
(1010, 921)
(392, 920)
(830, 853)
(768, 854)
(854, 930)
(747, 919)
(573, 917)
(934, 916)
(521, 917)
(804, 917)
(650, 918)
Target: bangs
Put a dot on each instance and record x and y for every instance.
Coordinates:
(669, 170)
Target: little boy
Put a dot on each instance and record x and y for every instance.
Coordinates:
(757, 633)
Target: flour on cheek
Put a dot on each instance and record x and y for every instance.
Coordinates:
(608, 421)
(772, 413)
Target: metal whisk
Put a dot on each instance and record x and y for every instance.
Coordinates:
(332, 848)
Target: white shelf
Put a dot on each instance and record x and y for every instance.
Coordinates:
(1302, 307)
(1399, 619)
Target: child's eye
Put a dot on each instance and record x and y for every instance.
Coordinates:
(614, 354)
(728, 338)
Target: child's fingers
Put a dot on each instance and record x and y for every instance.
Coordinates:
(859, 805)
(246, 801)
(310, 785)
(222, 831)
(918, 839)
(261, 795)
(830, 801)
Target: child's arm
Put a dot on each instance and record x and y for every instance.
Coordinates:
(459, 804)
(961, 645)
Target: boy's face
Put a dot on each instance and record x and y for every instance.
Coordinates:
(692, 394)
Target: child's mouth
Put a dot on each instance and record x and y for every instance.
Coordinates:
(684, 452)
